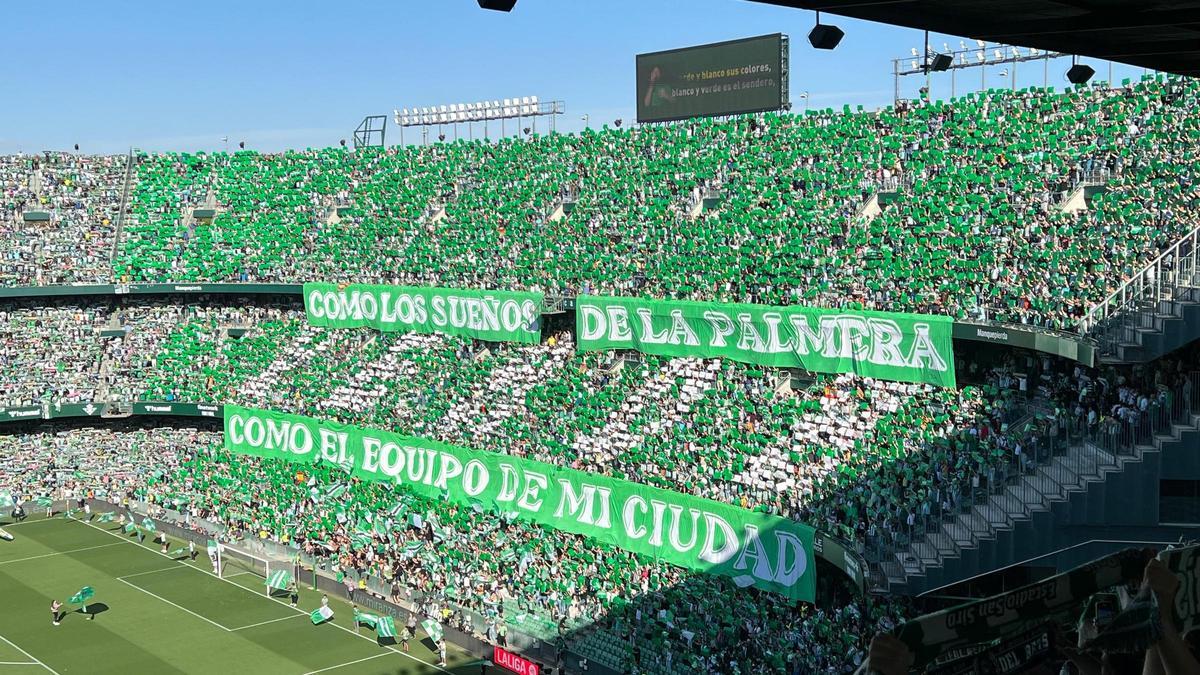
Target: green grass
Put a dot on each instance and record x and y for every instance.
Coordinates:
(161, 615)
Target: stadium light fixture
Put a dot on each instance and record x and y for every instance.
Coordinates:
(825, 36)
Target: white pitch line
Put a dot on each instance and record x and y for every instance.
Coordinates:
(36, 661)
(250, 590)
(29, 522)
(19, 663)
(138, 574)
(263, 623)
(51, 555)
(348, 663)
(180, 607)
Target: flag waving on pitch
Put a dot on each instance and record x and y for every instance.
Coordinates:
(321, 615)
(279, 580)
(5, 535)
(82, 596)
(433, 628)
(366, 619)
(386, 627)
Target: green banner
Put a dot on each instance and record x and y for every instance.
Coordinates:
(500, 316)
(885, 345)
(755, 549)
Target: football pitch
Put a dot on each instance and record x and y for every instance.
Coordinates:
(158, 614)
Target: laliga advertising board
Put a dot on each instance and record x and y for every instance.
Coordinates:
(754, 549)
(501, 316)
(514, 662)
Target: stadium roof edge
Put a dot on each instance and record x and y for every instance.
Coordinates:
(1158, 34)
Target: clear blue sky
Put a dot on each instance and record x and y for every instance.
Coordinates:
(301, 73)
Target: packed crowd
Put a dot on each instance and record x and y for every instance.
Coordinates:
(972, 192)
(763, 209)
(850, 455)
(970, 195)
(81, 195)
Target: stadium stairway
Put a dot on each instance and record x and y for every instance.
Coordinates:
(1155, 328)
(1155, 312)
(1040, 511)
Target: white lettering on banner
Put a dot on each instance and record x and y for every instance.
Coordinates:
(236, 423)
(656, 523)
(285, 437)
(648, 334)
(924, 354)
(632, 529)
(885, 343)
(753, 551)
(593, 321)
(788, 574)
(722, 327)
(314, 305)
(508, 483)
(437, 305)
(475, 478)
(450, 468)
(657, 508)
(710, 552)
(330, 444)
(534, 484)
(582, 506)
(371, 449)
(676, 518)
(875, 340)
(486, 313)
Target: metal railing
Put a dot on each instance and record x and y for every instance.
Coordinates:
(1095, 445)
(130, 160)
(1167, 277)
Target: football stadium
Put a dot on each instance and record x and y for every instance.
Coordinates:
(761, 374)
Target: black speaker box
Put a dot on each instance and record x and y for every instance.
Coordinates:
(825, 37)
